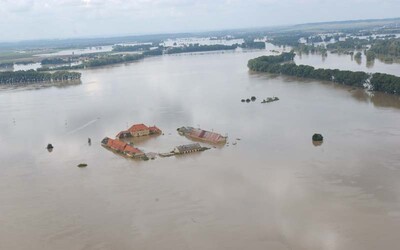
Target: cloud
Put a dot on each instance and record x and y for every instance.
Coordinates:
(63, 18)
(17, 5)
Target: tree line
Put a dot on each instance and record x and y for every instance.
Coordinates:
(251, 44)
(99, 61)
(33, 76)
(283, 64)
(386, 83)
(95, 60)
(127, 48)
(53, 61)
(200, 48)
(112, 59)
(349, 44)
(390, 47)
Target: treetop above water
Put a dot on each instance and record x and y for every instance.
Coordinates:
(283, 64)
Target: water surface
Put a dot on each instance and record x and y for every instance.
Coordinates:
(273, 190)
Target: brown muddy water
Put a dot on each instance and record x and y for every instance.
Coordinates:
(273, 190)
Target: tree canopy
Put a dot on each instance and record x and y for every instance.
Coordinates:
(283, 64)
(33, 76)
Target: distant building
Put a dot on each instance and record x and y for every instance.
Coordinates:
(138, 130)
(122, 147)
(190, 148)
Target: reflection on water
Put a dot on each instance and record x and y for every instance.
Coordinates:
(379, 100)
(39, 86)
(347, 62)
(272, 190)
(317, 143)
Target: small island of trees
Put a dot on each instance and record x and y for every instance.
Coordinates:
(200, 48)
(251, 44)
(112, 59)
(33, 76)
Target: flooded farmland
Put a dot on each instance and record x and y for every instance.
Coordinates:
(274, 189)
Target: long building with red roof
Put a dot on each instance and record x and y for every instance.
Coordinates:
(122, 147)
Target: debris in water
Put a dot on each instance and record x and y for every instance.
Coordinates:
(151, 155)
(82, 165)
(270, 99)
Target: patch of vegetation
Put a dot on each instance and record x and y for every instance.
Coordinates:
(386, 83)
(304, 48)
(348, 44)
(33, 76)
(370, 55)
(112, 59)
(200, 48)
(283, 64)
(99, 60)
(251, 44)
(126, 48)
(6, 65)
(53, 61)
(154, 52)
(389, 48)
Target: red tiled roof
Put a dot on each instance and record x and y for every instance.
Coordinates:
(138, 127)
(122, 146)
(116, 144)
(132, 150)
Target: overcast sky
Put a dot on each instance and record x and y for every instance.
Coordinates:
(38, 19)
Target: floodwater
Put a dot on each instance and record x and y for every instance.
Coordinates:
(347, 62)
(272, 190)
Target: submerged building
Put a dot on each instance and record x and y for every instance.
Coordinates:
(138, 130)
(190, 148)
(203, 135)
(122, 148)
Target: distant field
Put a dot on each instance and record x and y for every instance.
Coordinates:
(9, 50)
(343, 25)
(16, 56)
